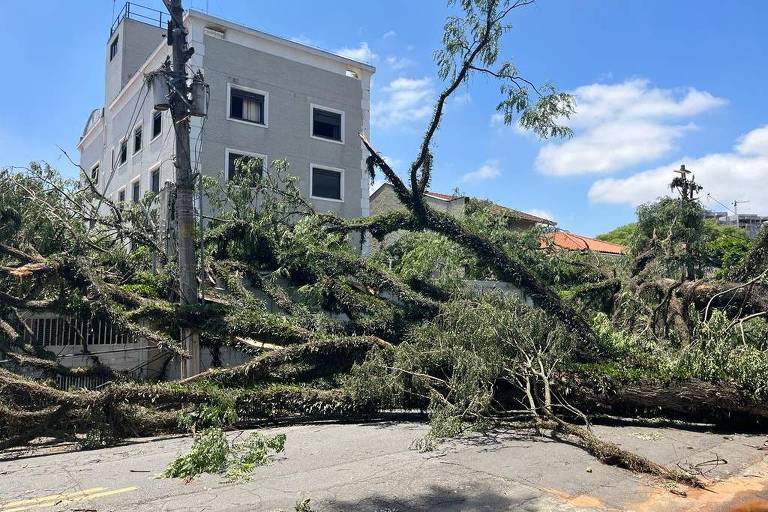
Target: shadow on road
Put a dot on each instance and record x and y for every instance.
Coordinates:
(436, 498)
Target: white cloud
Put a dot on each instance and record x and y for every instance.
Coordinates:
(404, 101)
(624, 124)
(754, 142)
(497, 119)
(388, 34)
(488, 171)
(740, 174)
(461, 99)
(544, 214)
(398, 63)
(362, 53)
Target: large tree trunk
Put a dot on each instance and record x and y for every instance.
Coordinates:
(693, 400)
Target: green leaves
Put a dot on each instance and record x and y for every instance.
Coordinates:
(211, 452)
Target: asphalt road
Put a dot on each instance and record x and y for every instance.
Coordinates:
(372, 467)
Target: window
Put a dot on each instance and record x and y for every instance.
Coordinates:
(121, 196)
(245, 105)
(135, 191)
(113, 48)
(155, 181)
(157, 123)
(137, 139)
(327, 124)
(244, 158)
(327, 183)
(95, 174)
(123, 155)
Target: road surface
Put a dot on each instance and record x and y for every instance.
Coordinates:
(373, 468)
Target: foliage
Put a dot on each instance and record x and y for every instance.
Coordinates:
(621, 235)
(719, 349)
(211, 452)
(474, 38)
(219, 411)
(675, 228)
(725, 247)
(427, 256)
(454, 363)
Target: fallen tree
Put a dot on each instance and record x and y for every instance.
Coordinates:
(336, 336)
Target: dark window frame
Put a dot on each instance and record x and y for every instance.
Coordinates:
(315, 191)
(154, 180)
(234, 154)
(122, 155)
(113, 48)
(138, 139)
(324, 129)
(136, 191)
(235, 105)
(157, 124)
(121, 196)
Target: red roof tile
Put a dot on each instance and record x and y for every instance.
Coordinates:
(445, 197)
(574, 242)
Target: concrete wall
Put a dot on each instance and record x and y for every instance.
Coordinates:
(132, 107)
(291, 87)
(136, 42)
(385, 200)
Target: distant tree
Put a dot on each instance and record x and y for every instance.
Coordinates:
(724, 247)
(673, 229)
(621, 235)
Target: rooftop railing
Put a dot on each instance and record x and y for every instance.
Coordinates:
(140, 13)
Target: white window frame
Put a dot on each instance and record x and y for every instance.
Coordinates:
(231, 86)
(117, 195)
(152, 125)
(312, 166)
(143, 138)
(312, 107)
(227, 151)
(155, 167)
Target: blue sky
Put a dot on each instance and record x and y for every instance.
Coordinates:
(658, 84)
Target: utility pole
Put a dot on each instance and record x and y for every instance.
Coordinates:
(180, 113)
(688, 188)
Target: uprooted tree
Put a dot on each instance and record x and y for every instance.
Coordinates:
(334, 334)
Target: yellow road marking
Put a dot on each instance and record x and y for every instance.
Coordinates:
(63, 495)
(56, 499)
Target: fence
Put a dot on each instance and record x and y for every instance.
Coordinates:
(52, 330)
(80, 381)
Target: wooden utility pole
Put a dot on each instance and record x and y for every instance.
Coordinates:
(688, 189)
(180, 113)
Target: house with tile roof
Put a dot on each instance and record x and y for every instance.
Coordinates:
(571, 241)
(384, 199)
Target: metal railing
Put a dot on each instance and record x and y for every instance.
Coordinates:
(50, 330)
(140, 13)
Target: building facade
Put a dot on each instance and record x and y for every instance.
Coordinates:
(268, 98)
(749, 222)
